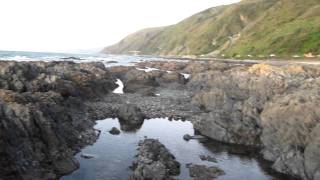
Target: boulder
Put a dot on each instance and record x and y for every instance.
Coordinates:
(114, 131)
(154, 161)
(187, 137)
(130, 117)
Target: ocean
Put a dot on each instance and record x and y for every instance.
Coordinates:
(107, 59)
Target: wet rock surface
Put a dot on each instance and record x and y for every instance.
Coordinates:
(154, 161)
(269, 106)
(43, 120)
(130, 117)
(51, 106)
(202, 172)
(114, 131)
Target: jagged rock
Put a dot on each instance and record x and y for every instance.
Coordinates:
(154, 161)
(44, 119)
(273, 107)
(291, 135)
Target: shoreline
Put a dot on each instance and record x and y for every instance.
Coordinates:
(247, 104)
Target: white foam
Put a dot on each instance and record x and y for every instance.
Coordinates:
(16, 58)
(119, 89)
(148, 69)
(186, 76)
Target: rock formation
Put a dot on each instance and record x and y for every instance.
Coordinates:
(46, 111)
(43, 117)
(155, 162)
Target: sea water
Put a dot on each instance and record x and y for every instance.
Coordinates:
(113, 154)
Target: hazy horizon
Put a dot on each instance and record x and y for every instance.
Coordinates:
(60, 26)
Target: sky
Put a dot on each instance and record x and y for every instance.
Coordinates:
(63, 25)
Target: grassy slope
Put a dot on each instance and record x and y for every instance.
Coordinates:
(289, 27)
(265, 26)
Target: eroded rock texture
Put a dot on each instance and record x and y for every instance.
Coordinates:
(44, 120)
(271, 106)
(154, 161)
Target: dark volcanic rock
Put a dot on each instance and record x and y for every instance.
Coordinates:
(114, 131)
(187, 137)
(272, 107)
(154, 161)
(43, 116)
(202, 172)
(130, 117)
(46, 110)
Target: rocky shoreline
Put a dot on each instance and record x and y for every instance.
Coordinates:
(44, 120)
(48, 109)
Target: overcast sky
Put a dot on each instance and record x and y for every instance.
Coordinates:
(59, 25)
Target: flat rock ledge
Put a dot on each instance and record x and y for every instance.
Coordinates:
(154, 161)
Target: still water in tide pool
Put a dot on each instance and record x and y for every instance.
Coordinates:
(115, 153)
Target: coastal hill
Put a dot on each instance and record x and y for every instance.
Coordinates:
(250, 27)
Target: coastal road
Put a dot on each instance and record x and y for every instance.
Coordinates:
(313, 61)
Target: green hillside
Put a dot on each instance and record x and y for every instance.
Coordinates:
(256, 27)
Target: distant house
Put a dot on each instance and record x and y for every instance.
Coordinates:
(296, 56)
(272, 55)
